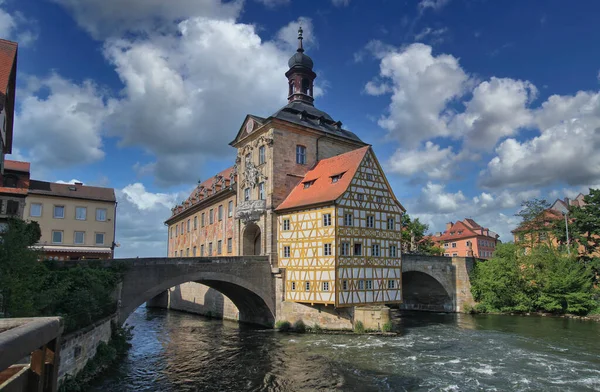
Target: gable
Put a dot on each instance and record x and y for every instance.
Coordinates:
(250, 125)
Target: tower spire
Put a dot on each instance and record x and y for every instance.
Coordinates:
(300, 47)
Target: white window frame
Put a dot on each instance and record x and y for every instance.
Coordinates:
(287, 251)
(327, 249)
(54, 212)
(286, 224)
(391, 284)
(325, 286)
(105, 214)
(262, 158)
(345, 249)
(96, 238)
(361, 284)
(392, 250)
(375, 250)
(300, 154)
(307, 286)
(344, 284)
(293, 286)
(31, 209)
(326, 219)
(390, 223)
(368, 284)
(261, 191)
(348, 219)
(84, 213)
(62, 235)
(370, 221)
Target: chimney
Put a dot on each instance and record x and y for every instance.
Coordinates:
(449, 225)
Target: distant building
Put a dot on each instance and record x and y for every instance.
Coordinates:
(467, 238)
(14, 185)
(8, 80)
(77, 221)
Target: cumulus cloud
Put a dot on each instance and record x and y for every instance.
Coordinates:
(422, 86)
(430, 161)
(434, 199)
(17, 27)
(112, 18)
(288, 35)
(60, 122)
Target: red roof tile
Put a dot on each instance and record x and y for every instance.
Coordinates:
(8, 54)
(322, 190)
(17, 166)
(464, 229)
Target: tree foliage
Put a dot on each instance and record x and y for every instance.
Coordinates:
(544, 280)
(29, 288)
(414, 238)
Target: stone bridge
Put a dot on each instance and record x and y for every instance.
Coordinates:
(436, 283)
(246, 280)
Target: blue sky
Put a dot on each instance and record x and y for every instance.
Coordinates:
(471, 106)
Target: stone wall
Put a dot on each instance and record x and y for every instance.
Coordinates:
(200, 299)
(372, 317)
(78, 347)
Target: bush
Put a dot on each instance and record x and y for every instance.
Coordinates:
(359, 327)
(283, 325)
(317, 328)
(299, 326)
(387, 327)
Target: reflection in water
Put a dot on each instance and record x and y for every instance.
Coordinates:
(175, 351)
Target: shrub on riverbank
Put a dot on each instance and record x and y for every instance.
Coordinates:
(387, 327)
(299, 326)
(106, 355)
(359, 327)
(29, 288)
(283, 325)
(545, 280)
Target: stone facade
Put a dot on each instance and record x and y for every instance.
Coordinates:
(200, 299)
(80, 346)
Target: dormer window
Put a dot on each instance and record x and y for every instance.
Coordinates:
(10, 181)
(336, 178)
(307, 184)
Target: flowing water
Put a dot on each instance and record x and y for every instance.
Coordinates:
(174, 351)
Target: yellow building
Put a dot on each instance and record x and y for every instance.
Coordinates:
(339, 238)
(77, 221)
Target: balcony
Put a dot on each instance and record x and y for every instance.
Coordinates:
(250, 210)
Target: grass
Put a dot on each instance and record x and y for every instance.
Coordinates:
(359, 327)
(387, 327)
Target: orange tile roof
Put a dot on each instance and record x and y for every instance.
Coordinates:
(323, 190)
(466, 231)
(17, 166)
(8, 54)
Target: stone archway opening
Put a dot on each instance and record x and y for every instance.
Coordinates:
(421, 291)
(252, 240)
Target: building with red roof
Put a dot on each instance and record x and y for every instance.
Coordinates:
(467, 238)
(8, 85)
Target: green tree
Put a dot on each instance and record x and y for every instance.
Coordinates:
(413, 237)
(533, 219)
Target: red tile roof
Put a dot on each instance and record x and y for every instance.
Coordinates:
(8, 54)
(17, 166)
(322, 190)
(464, 229)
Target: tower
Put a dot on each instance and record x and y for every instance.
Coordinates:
(300, 75)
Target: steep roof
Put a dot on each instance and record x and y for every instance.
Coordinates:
(75, 191)
(464, 229)
(8, 55)
(322, 190)
(17, 166)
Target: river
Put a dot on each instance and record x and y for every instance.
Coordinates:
(175, 351)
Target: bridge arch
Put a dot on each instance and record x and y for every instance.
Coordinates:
(247, 283)
(422, 291)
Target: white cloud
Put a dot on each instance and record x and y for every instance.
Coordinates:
(340, 3)
(62, 128)
(17, 27)
(111, 18)
(431, 160)
(435, 5)
(435, 35)
(498, 108)
(273, 3)
(73, 181)
(423, 85)
(288, 35)
(434, 199)
(567, 152)
(185, 95)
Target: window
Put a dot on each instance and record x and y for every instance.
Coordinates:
(446, 244)
(211, 217)
(326, 249)
(325, 286)
(360, 197)
(307, 184)
(188, 225)
(101, 214)
(391, 284)
(35, 209)
(543, 236)
(454, 254)
(390, 224)
(357, 249)
(230, 209)
(326, 219)
(99, 238)
(301, 155)
(219, 247)
(379, 199)
(286, 224)
(202, 220)
(221, 212)
(293, 286)
(307, 286)
(10, 181)
(361, 284)
(344, 285)
(210, 248)
(454, 244)
(345, 249)
(348, 220)
(57, 237)
(369, 177)
(196, 222)
(175, 254)
(261, 155)
(375, 250)
(447, 254)
(286, 251)
(369, 284)
(80, 213)
(59, 212)
(392, 250)
(202, 250)
(246, 194)
(229, 245)
(187, 252)
(194, 251)
(261, 191)
(79, 238)
(335, 178)
(469, 244)
(177, 230)
(370, 221)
